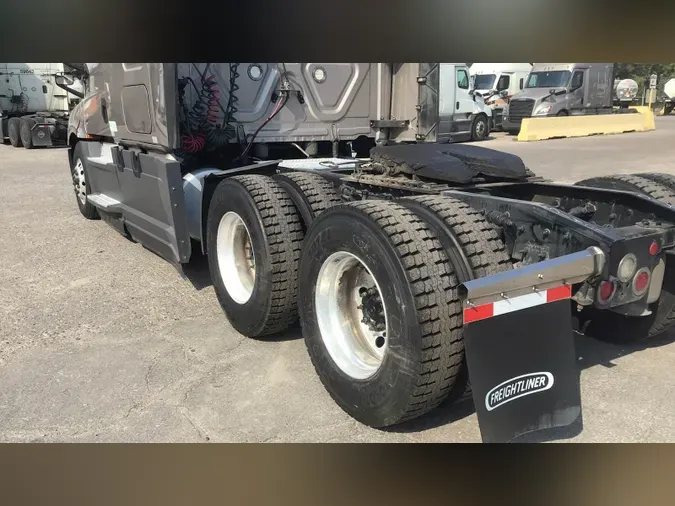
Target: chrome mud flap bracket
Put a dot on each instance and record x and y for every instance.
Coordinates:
(519, 346)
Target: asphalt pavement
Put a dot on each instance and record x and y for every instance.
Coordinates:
(101, 340)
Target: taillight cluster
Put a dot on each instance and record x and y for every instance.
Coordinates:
(628, 273)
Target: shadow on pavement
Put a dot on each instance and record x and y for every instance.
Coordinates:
(292, 333)
(197, 271)
(590, 353)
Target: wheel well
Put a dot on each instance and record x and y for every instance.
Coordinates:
(479, 115)
(209, 187)
(207, 193)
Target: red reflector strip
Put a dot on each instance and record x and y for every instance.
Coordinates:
(473, 314)
(559, 293)
(509, 305)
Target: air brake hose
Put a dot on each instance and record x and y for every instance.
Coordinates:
(280, 105)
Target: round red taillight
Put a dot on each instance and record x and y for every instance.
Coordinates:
(654, 248)
(606, 291)
(641, 281)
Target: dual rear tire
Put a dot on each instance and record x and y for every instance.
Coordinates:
(14, 132)
(25, 127)
(20, 132)
(254, 237)
(374, 282)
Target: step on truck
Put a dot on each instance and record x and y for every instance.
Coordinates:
(422, 271)
(33, 107)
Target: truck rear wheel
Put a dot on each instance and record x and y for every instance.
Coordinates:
(254, 237)
(667, 180)
(378, 312)
(312, 194)
(474, 249)
(614, 327)
(14, 132)
(26, 125)
(632, 182)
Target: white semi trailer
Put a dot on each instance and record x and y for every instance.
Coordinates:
(669, 92)
(33, 109)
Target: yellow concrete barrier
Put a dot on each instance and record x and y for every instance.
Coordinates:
(539, 129)
(657, 110)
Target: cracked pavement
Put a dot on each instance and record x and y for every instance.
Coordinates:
(100, 340)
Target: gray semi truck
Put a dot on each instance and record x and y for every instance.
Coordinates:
(422, 271)
(562, 89)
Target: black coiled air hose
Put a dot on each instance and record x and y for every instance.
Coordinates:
(203, 131)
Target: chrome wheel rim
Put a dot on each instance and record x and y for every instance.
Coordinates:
(351, 315)
(480, 128)
(79, 182)
(236, 260)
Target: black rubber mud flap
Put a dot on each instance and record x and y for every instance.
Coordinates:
(522, 364)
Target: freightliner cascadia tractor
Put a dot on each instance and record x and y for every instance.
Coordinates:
(421, 270)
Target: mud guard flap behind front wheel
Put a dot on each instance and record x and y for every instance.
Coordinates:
(522, 366)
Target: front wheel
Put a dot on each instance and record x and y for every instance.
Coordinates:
(78, 173)
(480, 128)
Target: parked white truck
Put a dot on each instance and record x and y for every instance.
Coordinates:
(496, 83)
(33, 109)
(669, 92)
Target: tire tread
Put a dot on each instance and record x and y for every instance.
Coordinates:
(641, 183)
(484, 250)
(318, 191)
(281, 225)
(432, 285)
